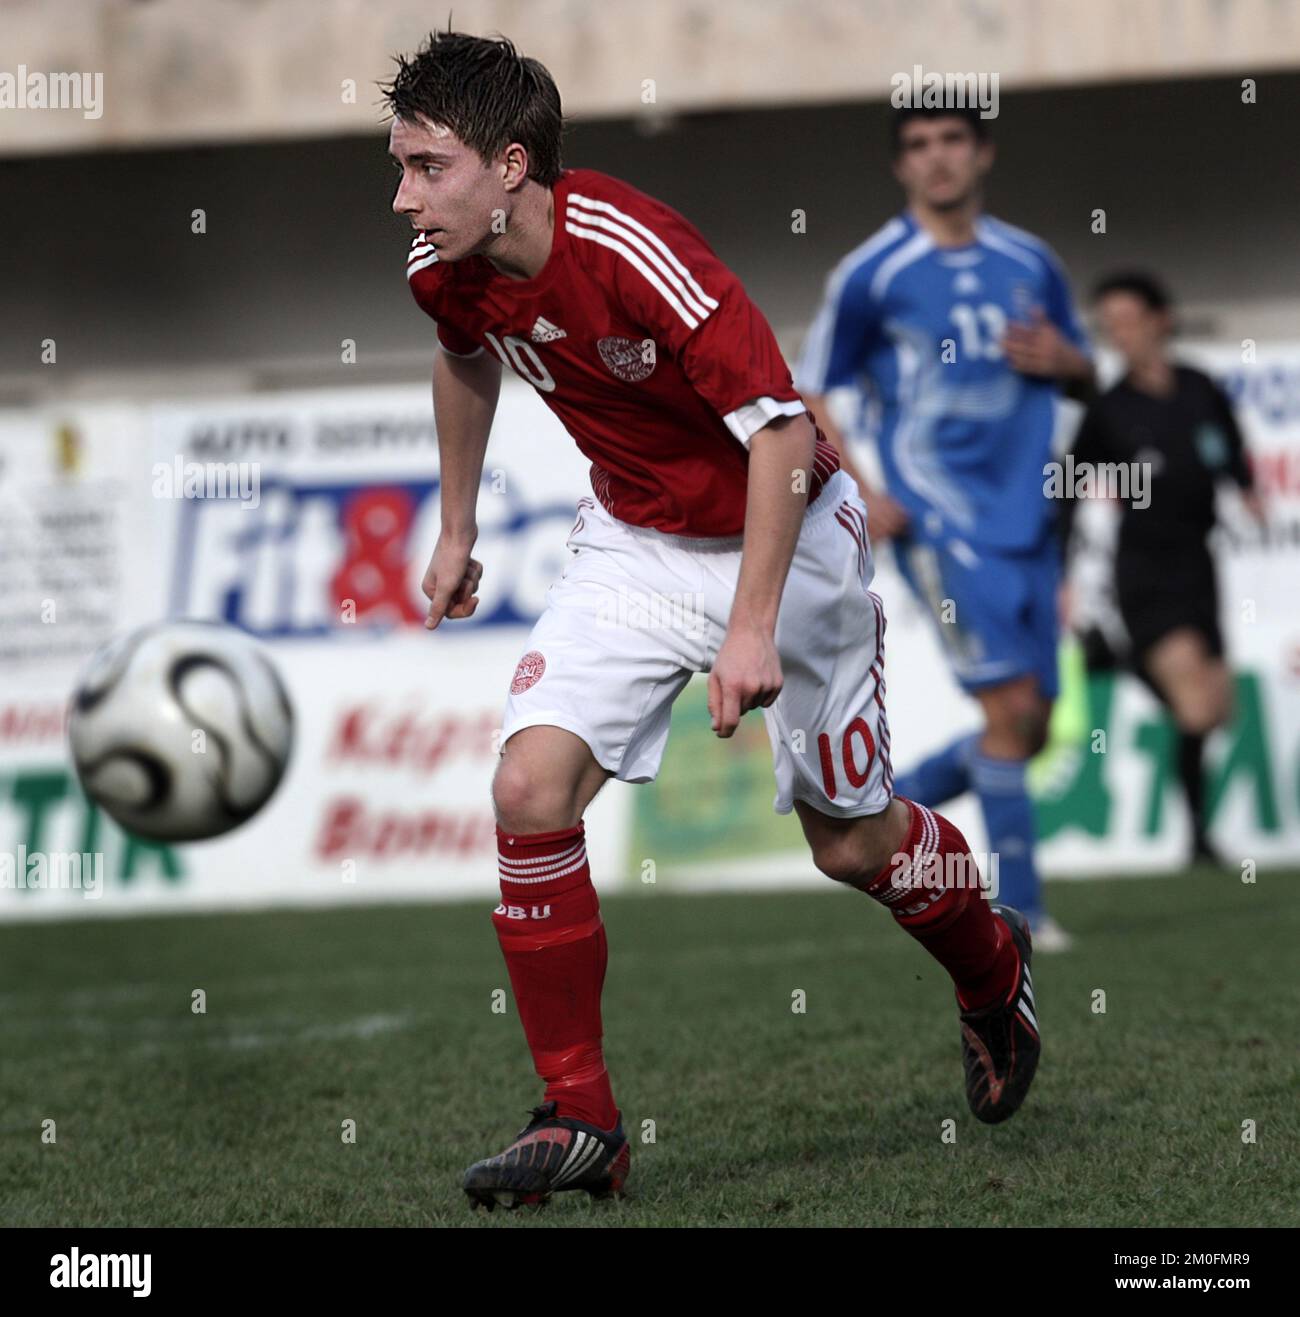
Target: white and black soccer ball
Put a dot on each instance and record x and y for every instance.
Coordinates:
(180, 730)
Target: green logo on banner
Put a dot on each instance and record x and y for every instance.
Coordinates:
(1084, 801)
(38, 795)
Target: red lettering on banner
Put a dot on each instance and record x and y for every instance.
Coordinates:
(1276, 472)
(32, 722)
(339, 821)
(349, 831)
(348, 734)
(410, 739)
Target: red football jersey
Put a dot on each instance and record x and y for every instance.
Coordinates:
(644, 345)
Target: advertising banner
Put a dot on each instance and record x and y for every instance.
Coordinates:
(308, 520)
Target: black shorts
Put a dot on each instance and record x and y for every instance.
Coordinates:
(1178, 590)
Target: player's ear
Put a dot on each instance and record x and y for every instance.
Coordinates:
(514, 166)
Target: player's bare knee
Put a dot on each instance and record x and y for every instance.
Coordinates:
(1032, 731)
(1017, 726)
(511, 792)
(527, 801)
(1015, 739)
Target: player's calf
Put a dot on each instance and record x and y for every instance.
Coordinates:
(553, 940)
(933, 888)
(548, 921)
(919, 866)
(849, 850)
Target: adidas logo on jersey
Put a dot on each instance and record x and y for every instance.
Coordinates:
(545, 332)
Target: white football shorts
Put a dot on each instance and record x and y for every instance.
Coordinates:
(637, 612)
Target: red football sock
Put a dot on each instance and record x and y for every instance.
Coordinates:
(938, 901)
(553, 940)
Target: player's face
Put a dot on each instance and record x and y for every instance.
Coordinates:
(1137, 332)
(446, 190)
(941, 163)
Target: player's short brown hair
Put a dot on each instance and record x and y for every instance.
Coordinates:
(487, 93)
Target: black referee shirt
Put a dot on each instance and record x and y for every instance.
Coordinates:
(1184, 442)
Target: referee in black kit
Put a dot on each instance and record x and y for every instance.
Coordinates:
(1173, 428)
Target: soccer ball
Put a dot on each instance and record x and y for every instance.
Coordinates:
(180, 730)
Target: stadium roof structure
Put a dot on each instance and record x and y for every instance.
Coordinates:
(132, 75)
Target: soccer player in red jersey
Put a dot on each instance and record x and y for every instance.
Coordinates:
(722, 538)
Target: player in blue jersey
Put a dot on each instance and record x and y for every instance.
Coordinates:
(958, 329)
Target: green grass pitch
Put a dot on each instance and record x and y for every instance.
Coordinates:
(761, 1115)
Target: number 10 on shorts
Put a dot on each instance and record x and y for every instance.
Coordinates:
(849, 753)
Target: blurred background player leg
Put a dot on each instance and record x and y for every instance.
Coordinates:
(996, 618)
(993, 764)
(943, 776)
(1186, 672)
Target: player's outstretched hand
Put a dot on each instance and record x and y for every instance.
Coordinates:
(451, 582)
(746, 675)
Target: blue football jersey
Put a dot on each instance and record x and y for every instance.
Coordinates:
(918, 328)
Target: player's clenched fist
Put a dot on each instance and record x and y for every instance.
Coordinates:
(1037, 348)
(451, 582)
(885, 516)
(746, 675)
